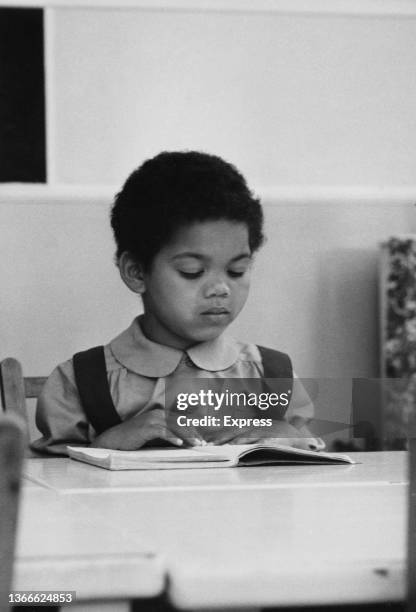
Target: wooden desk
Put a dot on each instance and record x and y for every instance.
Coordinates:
(63, 546)
(235, 537)
(31, 484)
(68, 476)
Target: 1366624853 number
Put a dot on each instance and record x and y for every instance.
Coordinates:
(41, 598)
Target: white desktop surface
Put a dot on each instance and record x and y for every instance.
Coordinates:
(228, 537)
(69, 476)
(62, 546)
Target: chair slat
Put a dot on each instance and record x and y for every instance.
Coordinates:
(34, 385)
(12, 387)
(12, 440)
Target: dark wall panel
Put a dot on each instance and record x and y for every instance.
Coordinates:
(22, 96)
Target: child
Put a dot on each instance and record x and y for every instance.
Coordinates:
(186, 228)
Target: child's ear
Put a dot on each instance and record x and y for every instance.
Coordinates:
(131, 272)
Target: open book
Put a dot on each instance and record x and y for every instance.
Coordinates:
(228, 455)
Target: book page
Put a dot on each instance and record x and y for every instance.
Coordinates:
(152, 455)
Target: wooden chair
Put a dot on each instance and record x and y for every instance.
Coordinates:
(15, 388)
(12, 443)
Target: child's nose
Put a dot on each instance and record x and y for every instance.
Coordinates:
(218, 288)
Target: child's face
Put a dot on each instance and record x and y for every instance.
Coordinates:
(197, 284)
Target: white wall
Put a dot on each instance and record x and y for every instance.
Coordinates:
(314, 289)
(293, 100)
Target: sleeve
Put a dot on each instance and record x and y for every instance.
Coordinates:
(59, 414)
(301, 405)
(300, 412)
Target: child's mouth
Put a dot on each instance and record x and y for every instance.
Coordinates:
(216, 316)
(216, 312)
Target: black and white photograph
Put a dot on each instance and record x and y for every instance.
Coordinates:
(208, 305)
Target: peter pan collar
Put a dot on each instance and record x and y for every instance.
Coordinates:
(139, 354)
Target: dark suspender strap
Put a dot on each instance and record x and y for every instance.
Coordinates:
(275, 363)
(277, 374)
(93, 388)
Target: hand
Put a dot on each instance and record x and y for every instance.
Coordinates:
(280, 432)
(140, 429)
(314, 443)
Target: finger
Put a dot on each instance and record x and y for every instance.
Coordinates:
(178, 435)
(302, 443)
(160, 431)
(316, 444)
(195, 441)
(194, 438)
(189, 434)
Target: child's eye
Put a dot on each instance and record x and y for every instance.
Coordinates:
(236, 274)
(191, 274)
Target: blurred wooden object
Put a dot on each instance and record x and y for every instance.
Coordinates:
(15, 388)
(12, 443)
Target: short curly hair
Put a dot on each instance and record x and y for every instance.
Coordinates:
(177, 188)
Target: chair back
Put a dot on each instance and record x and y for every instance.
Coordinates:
(12, 443)
(15, 388)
